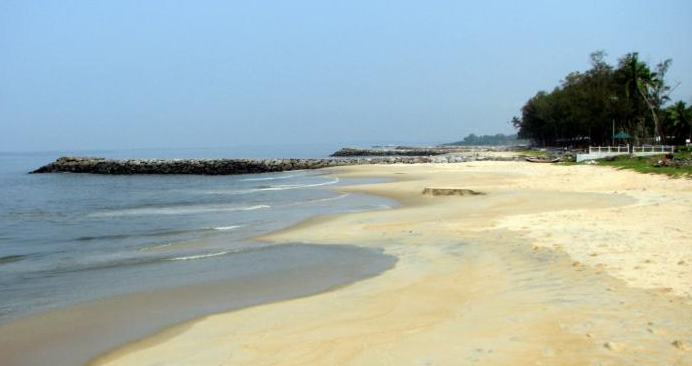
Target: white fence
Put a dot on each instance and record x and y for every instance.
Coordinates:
(600, 152)
(609, 149)
(652, 150)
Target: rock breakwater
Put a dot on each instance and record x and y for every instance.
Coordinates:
(348, 151)
(93, 165)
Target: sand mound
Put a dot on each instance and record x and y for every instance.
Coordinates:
(450, 192)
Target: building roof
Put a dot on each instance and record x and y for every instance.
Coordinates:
(622, 135)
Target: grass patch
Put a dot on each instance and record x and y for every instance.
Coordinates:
(645, 164)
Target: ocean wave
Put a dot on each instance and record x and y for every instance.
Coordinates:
(161, 246)
(173, 245)
(242, 250)
(343, 195)
(226, 228)
(228, 191)
(156, 247)
(280, 187)
(98, 264)
(130, 261)
(64, 268)
(11, 258)
(250, 208)
(317, 200)
(138, 235)
(162, 233)
(177, 210)
(199, 256)
(268, 178)
(297, 186)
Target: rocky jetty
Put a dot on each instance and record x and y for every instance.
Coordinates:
(418, 150)
(348, 151)
(71, 164)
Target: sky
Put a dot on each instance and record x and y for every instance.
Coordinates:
(168, 74)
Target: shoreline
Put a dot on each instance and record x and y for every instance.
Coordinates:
(74, 334)
(575, 312)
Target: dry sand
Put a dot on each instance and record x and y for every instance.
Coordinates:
(553, 265)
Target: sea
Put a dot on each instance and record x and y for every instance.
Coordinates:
(67, 239)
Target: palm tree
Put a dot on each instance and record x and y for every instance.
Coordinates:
(632, 75)
(640, 83)
(681, 117)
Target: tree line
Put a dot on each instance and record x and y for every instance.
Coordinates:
(483, 140)
(587, 108)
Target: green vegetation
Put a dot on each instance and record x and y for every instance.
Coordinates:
(588, 106)
(645, 164)
(485, 140)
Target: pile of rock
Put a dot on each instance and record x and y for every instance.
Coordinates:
(419, 150)
(673, 162)
(234, 166)
(348, 151)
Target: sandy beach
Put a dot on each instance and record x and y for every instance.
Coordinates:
(549, 265)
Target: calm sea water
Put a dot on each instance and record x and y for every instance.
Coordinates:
(69, 238)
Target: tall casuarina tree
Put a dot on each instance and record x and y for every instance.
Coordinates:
(587, 106)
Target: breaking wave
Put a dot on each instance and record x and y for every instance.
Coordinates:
(297, 186)
(198, 256)
(268, 178)
(178, 210)
(226, 228)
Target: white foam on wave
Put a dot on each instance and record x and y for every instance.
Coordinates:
(256, 207)
(158, 246)
(165, 247)
(318, 200)
(225, 228)
(177, 210)
(268, 178)
(297, 186)
(199, 256)
(280, 187)
(343, 195)
(229, 191)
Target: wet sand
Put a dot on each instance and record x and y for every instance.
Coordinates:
(75, 334)
(496, 279)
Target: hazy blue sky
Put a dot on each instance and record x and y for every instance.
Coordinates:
(111, 74)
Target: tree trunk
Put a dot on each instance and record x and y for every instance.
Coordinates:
(657, 126)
